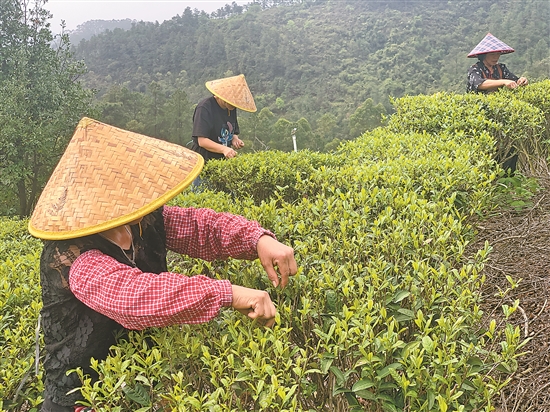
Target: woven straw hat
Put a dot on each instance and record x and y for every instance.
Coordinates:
(490, 44)
(233, 90)
(109, 177)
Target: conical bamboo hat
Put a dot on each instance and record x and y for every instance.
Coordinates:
(490, 44)
(233, 90)
(108, 177)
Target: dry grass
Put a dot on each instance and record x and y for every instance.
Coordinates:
(521, 249)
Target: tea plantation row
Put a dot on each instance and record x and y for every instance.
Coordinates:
(384, 313)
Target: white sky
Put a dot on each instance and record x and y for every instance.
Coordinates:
(76, 12)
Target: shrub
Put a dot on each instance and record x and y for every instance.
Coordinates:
(537, 95)
(384, 312)
(515, 125)
(20, 303)
(263, 175)
(382, 315)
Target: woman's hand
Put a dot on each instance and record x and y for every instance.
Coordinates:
(256, 304)
(277, 260)
(236, 142)
(522, 81)
(228, 152)
(511, 84)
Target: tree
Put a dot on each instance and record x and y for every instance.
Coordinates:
(119, 106)
(367, 117)
(307, 139)
(41, 101)
(281, 135)
(255, 129)
(156, 98)
(179, 118)
(326, 130)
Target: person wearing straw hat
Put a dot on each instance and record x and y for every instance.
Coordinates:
(215, 125)
(106, 232)
(488, 75)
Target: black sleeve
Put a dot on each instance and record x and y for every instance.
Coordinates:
(237, 130)
(202, 122)
(507, 74)
(475, 78)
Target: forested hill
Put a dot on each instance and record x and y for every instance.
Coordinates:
(94, 27)
(308, 58)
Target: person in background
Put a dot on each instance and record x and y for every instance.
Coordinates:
(215, 125)
(106, 232)
(488, 75)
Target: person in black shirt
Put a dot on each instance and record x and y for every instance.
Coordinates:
(215, 126)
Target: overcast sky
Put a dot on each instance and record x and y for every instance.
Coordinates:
(76, 12)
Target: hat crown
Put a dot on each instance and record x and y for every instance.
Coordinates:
(108, 177)
(233, 90)
(490, 44)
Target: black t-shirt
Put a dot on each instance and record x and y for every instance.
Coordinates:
(219, 125)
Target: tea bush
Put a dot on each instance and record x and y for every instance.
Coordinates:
(384, 312)
(537, 95)
(20, 304)
(515, 125)
(262, 175)
(381, 315)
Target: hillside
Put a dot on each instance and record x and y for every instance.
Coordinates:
(92, 28)
(320, 57)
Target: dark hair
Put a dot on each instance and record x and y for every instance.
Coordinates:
(481, 57)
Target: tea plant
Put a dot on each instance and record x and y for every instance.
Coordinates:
(537, 95)
(384, 312)
(515, 192)
(19, 308)
(516, 126)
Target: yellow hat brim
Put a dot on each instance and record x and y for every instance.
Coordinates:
(233, 90)
(109, 177)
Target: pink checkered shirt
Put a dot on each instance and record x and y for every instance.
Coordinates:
(138, 300)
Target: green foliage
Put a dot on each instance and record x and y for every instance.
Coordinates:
(515, 125)
(20, 304)
(366, 117)
(315, 58)
(515, 192)
(40, 102)
(263, 175)
(384, 312)
(537, 95)
(153, 113)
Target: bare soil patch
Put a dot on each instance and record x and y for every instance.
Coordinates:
(521, 249)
